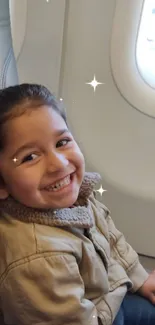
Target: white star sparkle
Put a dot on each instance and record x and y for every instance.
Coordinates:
(101, 190)
(61, 99)
(94, 83)
(15, 160)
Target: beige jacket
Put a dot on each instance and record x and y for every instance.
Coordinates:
(64, 267)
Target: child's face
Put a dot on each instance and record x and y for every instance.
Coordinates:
(39, 153)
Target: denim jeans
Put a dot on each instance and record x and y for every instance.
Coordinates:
(135, 310)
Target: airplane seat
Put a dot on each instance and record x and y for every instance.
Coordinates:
(8, 68)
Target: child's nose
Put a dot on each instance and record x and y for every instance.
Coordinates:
(57, 161)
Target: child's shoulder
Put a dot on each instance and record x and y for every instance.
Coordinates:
(21, 242)
(16, 240)
(98, 204)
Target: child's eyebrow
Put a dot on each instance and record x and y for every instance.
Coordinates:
(33, 144)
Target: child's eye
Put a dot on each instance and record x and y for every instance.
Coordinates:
(30, 157)
(62, 142)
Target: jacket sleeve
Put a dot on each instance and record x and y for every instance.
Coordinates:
(46, 290)
(123, 253)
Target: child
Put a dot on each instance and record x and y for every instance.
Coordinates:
(62, 261)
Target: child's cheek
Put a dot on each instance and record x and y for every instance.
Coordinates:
(26, 180)
(78, 154)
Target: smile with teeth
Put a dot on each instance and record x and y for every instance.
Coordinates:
(59, 185)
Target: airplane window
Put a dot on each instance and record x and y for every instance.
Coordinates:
(133, 53)
(145, 51)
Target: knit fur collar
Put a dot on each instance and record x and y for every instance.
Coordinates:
(79, 216)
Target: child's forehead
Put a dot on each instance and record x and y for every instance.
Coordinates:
(39, 118)
(40, 124)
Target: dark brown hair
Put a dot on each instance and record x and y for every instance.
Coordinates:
(16, 100)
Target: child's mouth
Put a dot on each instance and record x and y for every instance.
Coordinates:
(60, 185)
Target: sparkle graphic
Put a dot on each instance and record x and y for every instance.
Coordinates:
(15, 160)
(61, 99)
(94, 83)
(101, 190)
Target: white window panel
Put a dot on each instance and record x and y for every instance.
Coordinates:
(146, 43)
(127, 38)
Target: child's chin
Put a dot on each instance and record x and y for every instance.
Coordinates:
(66, 202)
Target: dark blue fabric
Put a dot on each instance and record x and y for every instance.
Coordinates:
(135, 310)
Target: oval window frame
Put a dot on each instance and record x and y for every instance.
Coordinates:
(144, 53)
(124, 67)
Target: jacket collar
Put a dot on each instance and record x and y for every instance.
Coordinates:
(79, 216)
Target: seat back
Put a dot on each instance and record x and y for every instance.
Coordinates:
(8, 68)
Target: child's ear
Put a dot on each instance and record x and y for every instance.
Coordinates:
(3, 189)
